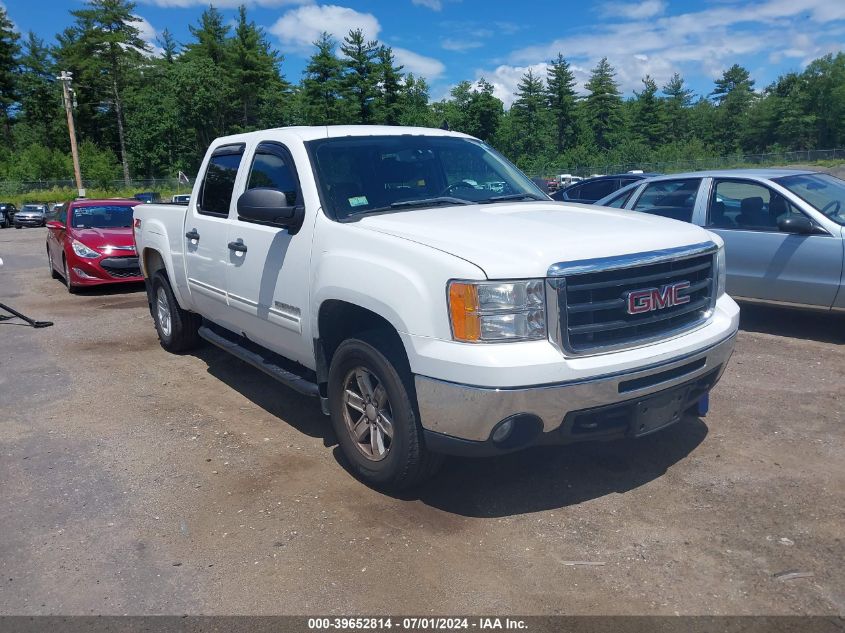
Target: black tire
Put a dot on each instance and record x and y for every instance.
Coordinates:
(181, 334)
(68, 283)
(407, 462)
(53, 272)
(17, 226)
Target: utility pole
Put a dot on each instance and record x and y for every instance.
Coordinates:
(66, 78)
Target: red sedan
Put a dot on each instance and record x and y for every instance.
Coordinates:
(90, 243)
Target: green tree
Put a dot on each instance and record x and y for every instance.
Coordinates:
(561, 100)
(360, 77)
(531, 118)
(676, 105)
(322, 85)
(210, 35)
(603, 104)
(108, 29)
(9, 50)
(169, 47)
(415, 109)
(648, 114)
(825, 98)
(734, 95)
(387, 105)
(38, 92)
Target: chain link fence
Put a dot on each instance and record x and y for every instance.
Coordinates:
(35, 187)
(697, 164)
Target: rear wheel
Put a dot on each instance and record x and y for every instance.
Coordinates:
(177, 328)
(373, 412)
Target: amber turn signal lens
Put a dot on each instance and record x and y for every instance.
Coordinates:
(463, 310)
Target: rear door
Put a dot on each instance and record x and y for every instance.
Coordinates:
(206, 231)
(764, 262)
(267, 266)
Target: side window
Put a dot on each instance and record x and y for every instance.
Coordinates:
(741, 204)
(619, 201)
(572, 194)
(673, 199)
(593, 191)
(216, 193)
(271, 169)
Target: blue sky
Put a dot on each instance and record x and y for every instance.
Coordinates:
(450, 40)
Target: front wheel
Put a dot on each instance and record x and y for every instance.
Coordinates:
(374, 417)
(53, 272)
(177, 328)
(71, 288)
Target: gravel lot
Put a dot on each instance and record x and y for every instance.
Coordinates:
(135, 481)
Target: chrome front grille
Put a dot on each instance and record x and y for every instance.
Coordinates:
(592, 298)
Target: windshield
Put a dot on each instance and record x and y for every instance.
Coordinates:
(370, 174)
(105, 217)
(823, 191)
(32, 207)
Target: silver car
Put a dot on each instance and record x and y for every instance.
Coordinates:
(31, 215)
(784, 229)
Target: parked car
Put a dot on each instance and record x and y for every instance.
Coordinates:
(783, 228)
(355, 264)
(7, 214)
(592, 189)
(148, 196)
(90, 243)
(181, 198)
(30, 215)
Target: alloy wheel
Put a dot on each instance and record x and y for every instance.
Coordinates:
(163, 312)
(367, 413)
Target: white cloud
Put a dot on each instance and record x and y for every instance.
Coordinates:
(634, 10)
(708, 41)
(434, 5)
(300, 28)
(223, 4)
(460, 45)
(504, 79)
(420, 65)
(148, 33)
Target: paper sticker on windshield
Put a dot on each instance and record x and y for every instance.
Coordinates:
(358, 201)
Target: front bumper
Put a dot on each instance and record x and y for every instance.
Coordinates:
(28, 221)
(104, 270)
(461, 418)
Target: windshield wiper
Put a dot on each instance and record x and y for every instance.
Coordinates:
(421, 202)
(510, 196)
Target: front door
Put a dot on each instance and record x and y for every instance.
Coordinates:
(764, 262)
(206, 232)
(267, 271)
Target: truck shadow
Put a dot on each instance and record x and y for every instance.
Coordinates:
(549, 477)
(790, 322)
(537, 479)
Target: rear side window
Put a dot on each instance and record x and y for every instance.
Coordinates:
(593, 191)
(619, 201)
(272, 169)
(673, 199)
(218, 184)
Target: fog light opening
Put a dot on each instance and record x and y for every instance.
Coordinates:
(516, 431)
(500, 434)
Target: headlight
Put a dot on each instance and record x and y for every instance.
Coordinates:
(482, 312)
(721, 272)
(83, 251)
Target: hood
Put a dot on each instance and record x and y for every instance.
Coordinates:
(100, 238)
(515, 240)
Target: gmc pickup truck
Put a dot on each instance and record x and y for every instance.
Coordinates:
(379, 270)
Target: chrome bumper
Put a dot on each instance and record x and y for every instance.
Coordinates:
(470, 413)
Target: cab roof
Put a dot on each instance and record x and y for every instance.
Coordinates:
(314, 132)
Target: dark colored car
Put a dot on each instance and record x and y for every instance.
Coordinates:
(90, 242)
(148, 196)
(592, 189)
(30, 215)
(7, 214)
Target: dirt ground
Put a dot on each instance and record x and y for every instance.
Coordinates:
(135, 481)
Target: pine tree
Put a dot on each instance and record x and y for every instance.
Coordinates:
(210, 34)
(734, 94)
(415, 109)
(360, 78)
(648, 113)
(169, 47)
(387, 104)
(107, 27)
(676, 105)
(603, 104)
(9, 51)
(561, 100)
(38, 92)
(322, 86)
(530, 115)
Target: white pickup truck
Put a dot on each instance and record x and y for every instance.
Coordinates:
(373, 268)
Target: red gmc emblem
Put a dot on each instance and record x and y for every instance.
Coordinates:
(649, 299)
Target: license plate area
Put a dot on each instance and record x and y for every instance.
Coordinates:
(652, 414)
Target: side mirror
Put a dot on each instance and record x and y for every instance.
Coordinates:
(270, 206)
(797, 224)
(55, 224)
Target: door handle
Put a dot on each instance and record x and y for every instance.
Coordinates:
(192, 235)
(238, 247)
